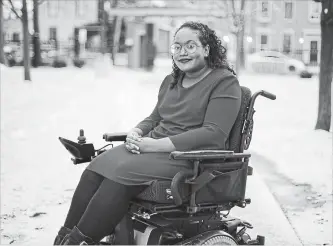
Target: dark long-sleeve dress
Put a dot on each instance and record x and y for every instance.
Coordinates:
(198, 117)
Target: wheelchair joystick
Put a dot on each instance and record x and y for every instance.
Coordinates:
(81, 138)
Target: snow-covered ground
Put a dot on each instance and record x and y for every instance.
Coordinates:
(37, 176)
(297, 159)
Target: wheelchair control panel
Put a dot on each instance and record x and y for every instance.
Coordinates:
(81, 151)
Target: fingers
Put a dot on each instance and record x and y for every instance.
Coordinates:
(134, 138)
(132, 148)
(132, 141)
(134, 135)
(135, 152)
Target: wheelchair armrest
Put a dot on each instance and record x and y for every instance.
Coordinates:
(116, 136)
(198, 155)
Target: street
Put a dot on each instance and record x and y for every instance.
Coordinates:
(38, 178)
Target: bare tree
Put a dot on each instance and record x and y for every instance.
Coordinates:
(26, 39)
(26, 36)
(237, 28)
(326, 66)
(36, 37)
(103, 16)
(2, 55)
(115, 33)
(239, 24)
(110, 33)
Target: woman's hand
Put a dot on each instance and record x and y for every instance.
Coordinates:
(131, 138)
(144, 145)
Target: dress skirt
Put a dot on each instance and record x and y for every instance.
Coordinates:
(121, 166)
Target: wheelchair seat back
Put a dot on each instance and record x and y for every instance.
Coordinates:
(236, 134)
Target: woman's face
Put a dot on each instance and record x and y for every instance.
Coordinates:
(188, 52)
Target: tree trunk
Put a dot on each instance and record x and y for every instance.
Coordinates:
(239, 22)
(26, 50)
(238, 52)
(116, 37)
(325, 76)
(103, 31)
(113, 34)
(2, 41)
(242, 48)
(36, 38)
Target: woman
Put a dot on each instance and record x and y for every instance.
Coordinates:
(196, 109)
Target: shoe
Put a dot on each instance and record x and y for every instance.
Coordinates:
(76, 237)
(61, 234)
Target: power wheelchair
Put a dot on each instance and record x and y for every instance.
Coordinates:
(193, 208)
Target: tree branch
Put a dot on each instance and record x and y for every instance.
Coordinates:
(222, 4)
(233, 6)
(223, 7)
(242, 5)
(13, 10)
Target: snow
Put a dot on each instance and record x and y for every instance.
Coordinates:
(298, 162)
(2, 67)
(38, 177)
(287, 124)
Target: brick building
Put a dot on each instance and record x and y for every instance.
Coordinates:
(289, 26)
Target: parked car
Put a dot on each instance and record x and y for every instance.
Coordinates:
(276, 62)
(10, 56)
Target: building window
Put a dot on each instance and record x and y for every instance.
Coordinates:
(263, 42)
(53, 33)
(53, 37)
(288, 10)
(6, 36)
(314, 11)
(80, 7)
(313, 52)
(16, 37)
(163, 42)
(53, 8)
(286, 43)
(264, 9)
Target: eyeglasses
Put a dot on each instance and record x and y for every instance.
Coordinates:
(189, 47)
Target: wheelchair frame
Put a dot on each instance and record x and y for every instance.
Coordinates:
(189, 223)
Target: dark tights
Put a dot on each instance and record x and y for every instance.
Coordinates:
(99, 204)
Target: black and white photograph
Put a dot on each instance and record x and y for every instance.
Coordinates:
(166, 122)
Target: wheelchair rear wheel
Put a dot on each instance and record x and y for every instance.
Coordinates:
(219, 240)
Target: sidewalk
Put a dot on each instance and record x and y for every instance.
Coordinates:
(265, 214)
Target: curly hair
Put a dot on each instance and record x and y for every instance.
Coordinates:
(217, 53)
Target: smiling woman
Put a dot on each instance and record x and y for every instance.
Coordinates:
(202, 52)
(197, 106)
